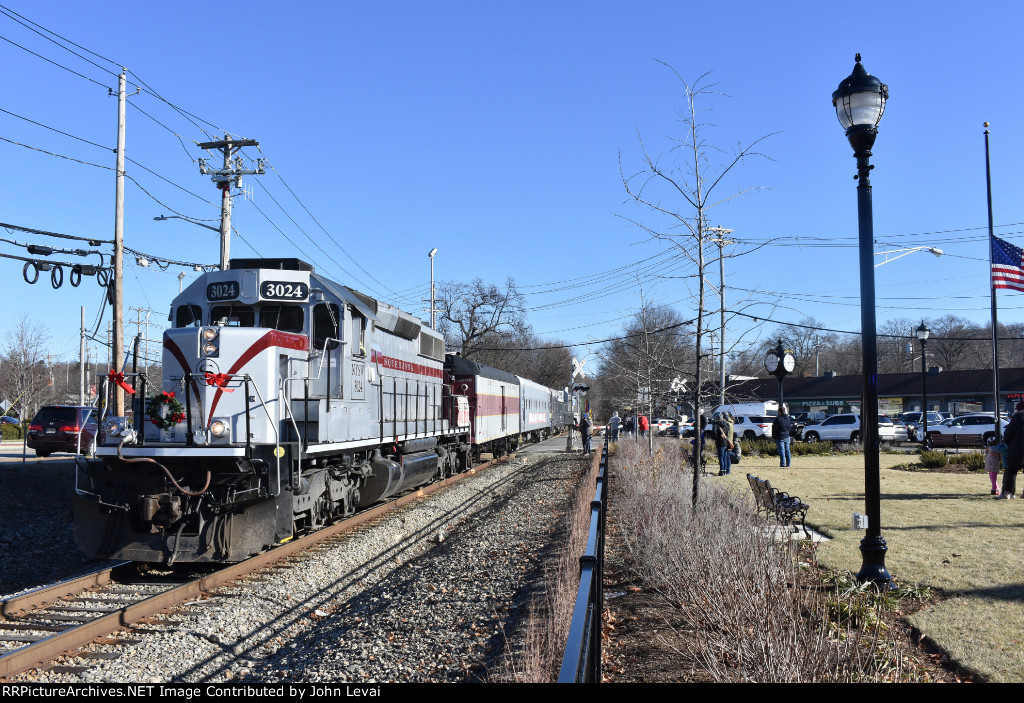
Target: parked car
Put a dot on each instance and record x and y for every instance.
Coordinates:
(749, 426)
(973, 424)
(913, 421)
(900, 430)
(63, 428)
(845, 427)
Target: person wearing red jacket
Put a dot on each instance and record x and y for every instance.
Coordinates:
(645, 425)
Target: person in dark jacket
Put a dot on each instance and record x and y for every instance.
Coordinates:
(781, 427)
(1014, 439)
(720, 427)
(585, 433)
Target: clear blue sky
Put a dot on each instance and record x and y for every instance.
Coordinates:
(492, 131)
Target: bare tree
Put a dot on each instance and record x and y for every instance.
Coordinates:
(639, 369)
(25, 373)
(680, 188)
(478, 314)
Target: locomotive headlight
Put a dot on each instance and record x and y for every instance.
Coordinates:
(118, 428)
(209, 341)
(218, 428)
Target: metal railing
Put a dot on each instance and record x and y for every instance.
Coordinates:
(581, 662)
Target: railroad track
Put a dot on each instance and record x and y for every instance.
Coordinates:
(41, 625)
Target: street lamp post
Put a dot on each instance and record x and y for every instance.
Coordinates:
(922, 334)
(433, 314)
(859, 102)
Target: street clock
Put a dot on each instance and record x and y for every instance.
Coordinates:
(776, 366)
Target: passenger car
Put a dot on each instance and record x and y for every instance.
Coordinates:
(845, 427)
(63, 428)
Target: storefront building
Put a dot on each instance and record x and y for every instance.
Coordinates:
(956, 392)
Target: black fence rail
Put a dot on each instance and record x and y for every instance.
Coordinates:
(581, 662)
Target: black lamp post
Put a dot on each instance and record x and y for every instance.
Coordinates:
(922, 334)
(859, 102)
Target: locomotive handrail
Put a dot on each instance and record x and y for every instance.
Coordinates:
(286, 401)
(581, 662)
(273, 425)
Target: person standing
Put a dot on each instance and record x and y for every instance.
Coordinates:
(585, 433)
(723, 445)
(645, 425)
(995, 454)
(782, 425)
(613, 425)
(1014, 439)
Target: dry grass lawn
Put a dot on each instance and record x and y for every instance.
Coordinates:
(943, 530)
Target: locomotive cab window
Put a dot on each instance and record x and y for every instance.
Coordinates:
(233, 316)
(188, 316)
(358, 337)
(286, 318)
(326, 322)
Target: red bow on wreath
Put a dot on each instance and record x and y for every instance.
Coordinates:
(218, 379)
(118, 378)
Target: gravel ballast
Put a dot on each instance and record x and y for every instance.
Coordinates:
(432, 593)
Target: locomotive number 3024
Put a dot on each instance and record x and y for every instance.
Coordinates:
(284, 290)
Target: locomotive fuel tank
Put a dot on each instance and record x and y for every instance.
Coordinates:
(390, 477)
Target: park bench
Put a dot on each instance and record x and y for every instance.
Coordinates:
(784, 508)
(955, 440)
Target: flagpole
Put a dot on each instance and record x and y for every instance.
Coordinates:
(992, 286)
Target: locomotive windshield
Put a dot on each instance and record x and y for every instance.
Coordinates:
(233, 316)
(286, 318)
(189, 316)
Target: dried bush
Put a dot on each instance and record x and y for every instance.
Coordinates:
(736, 584)
(550, 612)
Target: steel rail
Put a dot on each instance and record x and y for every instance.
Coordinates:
(48, 594)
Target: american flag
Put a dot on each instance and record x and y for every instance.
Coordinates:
(1007, 265)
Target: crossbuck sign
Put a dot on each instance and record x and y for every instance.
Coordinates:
(577, 368)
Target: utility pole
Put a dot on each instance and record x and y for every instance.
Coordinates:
(138, 328)
(721, 241)
(223, 177)
(119, 246)
(81, 360)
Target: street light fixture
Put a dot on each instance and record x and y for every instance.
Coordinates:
(161, 218)
(908, 250)
(859, 102)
